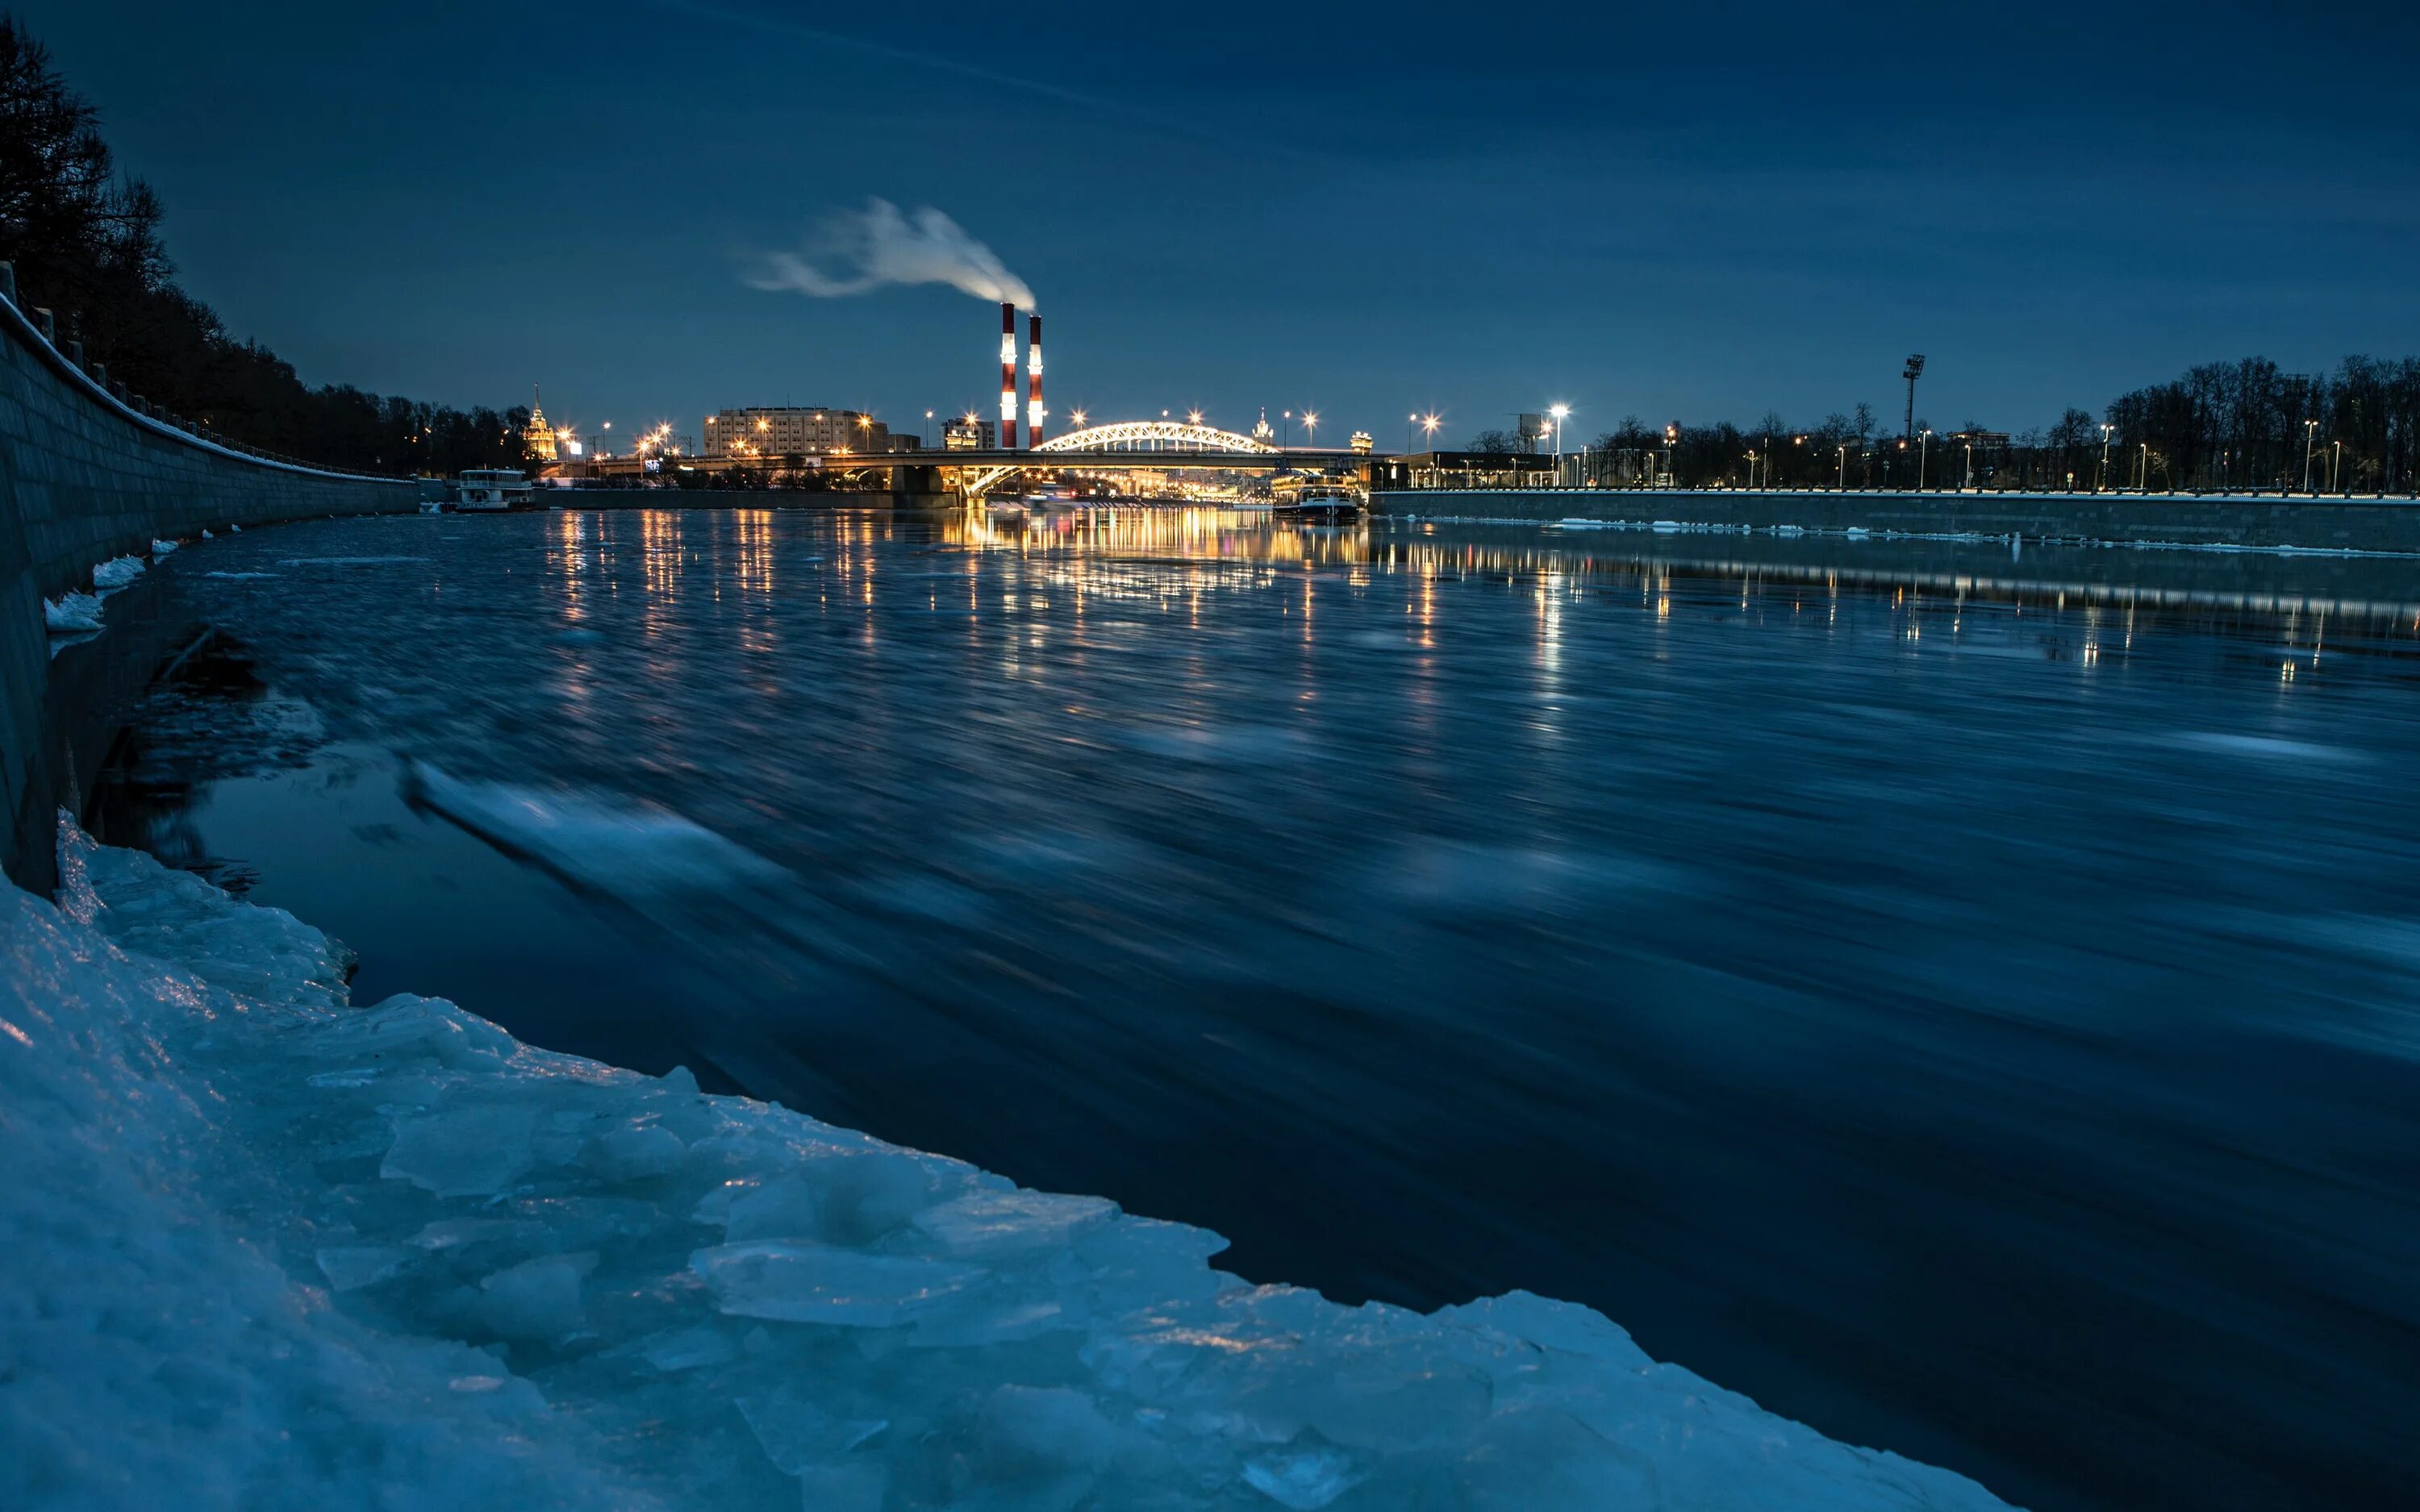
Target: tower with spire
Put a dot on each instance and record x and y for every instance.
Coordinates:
(537, 436)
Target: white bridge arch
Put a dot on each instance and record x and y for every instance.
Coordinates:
(1183, 438)
(1155, 436)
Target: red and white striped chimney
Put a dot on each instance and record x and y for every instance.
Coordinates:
(1008, 377)
(1033, 381)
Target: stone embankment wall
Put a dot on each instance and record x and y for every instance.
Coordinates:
(87, 474)
(2326, 524)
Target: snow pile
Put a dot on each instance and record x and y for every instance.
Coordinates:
(267, 1250)
(161, 547)
(73, 614)
(117, 573)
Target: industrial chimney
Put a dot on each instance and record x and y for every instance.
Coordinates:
(1008, 377)
(1033, 381)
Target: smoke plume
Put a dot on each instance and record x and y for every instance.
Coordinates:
(858, 252)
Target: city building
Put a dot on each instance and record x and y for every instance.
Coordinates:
(537, 436)
(971, 435)
(791, 430)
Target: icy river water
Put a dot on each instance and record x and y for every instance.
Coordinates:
(1964, 995)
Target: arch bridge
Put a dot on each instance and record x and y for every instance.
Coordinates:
(1146, 443)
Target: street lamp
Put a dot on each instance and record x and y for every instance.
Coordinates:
(2143, 470)
(1430, 425)
(2105, 431)
(1843, 486)
(1970, 466)
(1310, 425)
(1078, 416)
(1923, 446)
(2310, 443)
(1558, 413)
(2333, 462)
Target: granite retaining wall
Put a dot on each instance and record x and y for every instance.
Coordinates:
(85, 475)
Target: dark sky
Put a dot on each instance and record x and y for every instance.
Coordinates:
(1679, 212)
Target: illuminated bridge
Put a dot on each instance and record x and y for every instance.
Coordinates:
(1161, 444)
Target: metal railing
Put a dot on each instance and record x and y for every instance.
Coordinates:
(71, 353)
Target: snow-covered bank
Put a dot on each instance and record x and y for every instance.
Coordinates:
(271, 1251)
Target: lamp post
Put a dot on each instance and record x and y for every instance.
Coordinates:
(1843, 486)
(2143, 470)
(2105, 431)
(2333, 462)
(1310, 425)
(1558, 413)
(1970, 466)
(1923, 446)
(2310, 441)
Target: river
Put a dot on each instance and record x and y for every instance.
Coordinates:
(1963, 994)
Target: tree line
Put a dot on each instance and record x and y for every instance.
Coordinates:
(84, 239)
(2222, 427)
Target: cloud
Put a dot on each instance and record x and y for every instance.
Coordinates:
(856, 252)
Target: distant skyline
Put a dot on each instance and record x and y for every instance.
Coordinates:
(1682, 214)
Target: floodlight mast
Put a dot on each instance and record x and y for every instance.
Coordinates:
(1914, 371)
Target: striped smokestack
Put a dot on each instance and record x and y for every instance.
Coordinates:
(1033, 381)
(1008, 377)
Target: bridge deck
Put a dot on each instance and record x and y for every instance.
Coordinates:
(1291, 456)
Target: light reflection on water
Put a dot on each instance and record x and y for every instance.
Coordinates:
(1962, 998)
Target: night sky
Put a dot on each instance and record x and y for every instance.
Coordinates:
(1680, 211)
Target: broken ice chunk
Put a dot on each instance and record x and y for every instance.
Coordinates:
(1303, 1479)
(798, 1435)
(994, 1224)
(1027, 1430)
(537, 1299)
(351, 1267)
(687, 1348)
(462, 1152)
(782, 1208)
(634, 1154)
(796, 1282)
(72, 612)
(868, 1195)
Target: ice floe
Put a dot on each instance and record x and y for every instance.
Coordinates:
(117, 572)
(73, 614)
(271, 1251)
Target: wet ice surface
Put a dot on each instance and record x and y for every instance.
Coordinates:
(270, 1252)
(1984, 1029)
